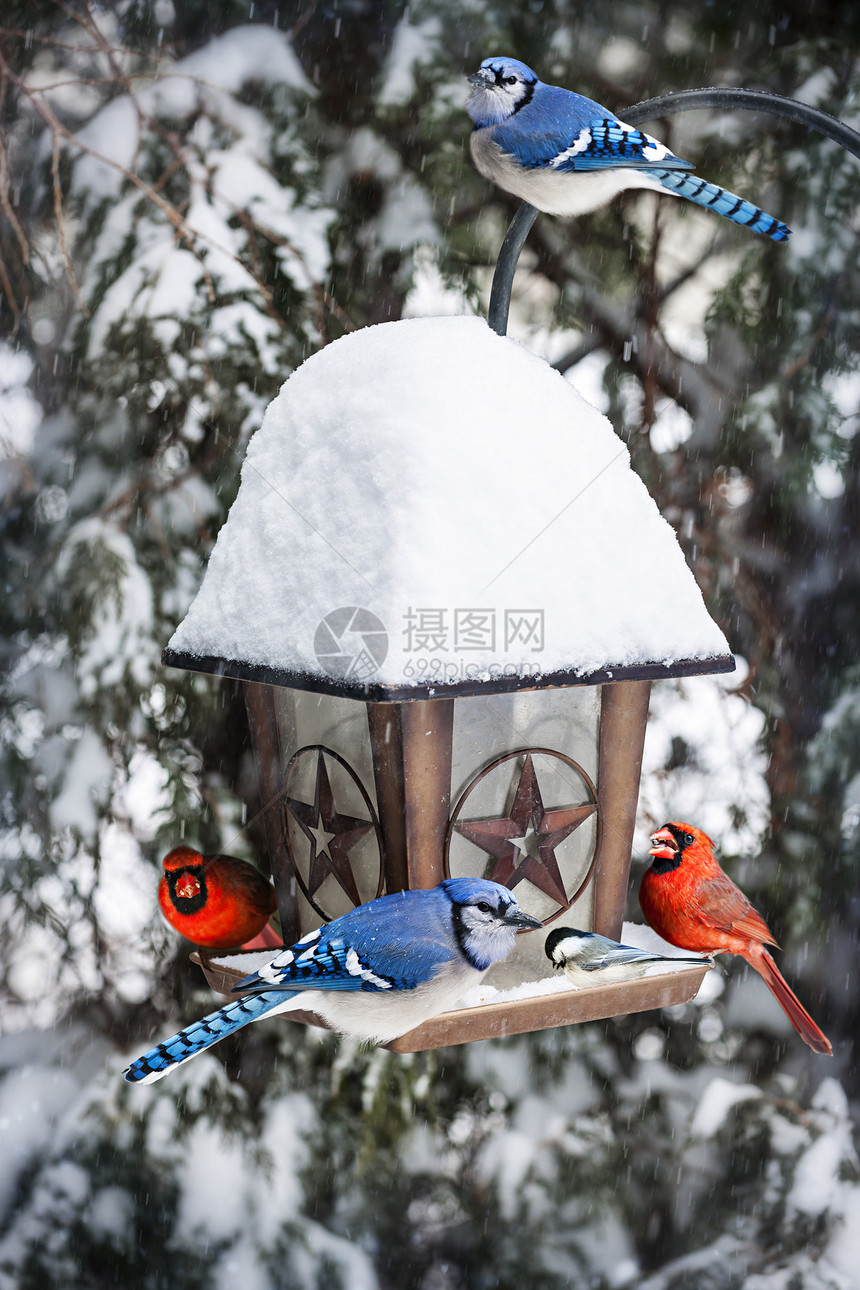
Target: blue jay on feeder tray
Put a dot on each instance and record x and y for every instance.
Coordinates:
(378, 971)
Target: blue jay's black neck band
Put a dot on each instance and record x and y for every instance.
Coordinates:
(187, 904)
(460, 934)
(528, 95)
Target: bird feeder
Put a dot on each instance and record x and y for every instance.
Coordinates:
(447, 594)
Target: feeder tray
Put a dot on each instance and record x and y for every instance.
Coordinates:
(512, 1017)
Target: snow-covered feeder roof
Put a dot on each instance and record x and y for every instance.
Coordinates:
(454, 486)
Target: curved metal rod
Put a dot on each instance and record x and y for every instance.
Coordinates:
(506, 267)
(666, 105)
(754, 101)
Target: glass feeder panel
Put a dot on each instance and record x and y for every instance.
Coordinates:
(328, 804)
(528, 820)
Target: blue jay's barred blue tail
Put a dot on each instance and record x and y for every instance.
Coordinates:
(199, 1036)
(714, 198)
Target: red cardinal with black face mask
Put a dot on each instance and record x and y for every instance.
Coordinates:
(691, 903)
(218, 902)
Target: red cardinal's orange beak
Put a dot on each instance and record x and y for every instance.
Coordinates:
(663, 845)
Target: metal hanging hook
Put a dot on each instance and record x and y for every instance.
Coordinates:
(666, 105)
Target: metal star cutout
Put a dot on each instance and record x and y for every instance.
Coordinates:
(524, 842)
(331, 835)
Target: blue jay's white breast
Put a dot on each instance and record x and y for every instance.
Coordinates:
(380, 1017)
(556, 193)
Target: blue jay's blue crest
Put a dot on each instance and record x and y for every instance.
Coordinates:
(567, 155)
(380, 970)
(507, 71)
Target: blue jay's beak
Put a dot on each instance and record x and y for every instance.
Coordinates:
(522, 922)
(482, 78)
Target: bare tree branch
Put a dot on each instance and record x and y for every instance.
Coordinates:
(61, 223)
(10, 296)
(4, 187)
(185, 231)
(33, 37)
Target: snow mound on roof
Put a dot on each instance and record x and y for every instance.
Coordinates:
(456, 486)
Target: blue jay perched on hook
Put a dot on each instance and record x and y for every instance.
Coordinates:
(586, 958)
(567, 155)
(375, 973)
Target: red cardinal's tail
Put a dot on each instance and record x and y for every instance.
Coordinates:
(789, 1002)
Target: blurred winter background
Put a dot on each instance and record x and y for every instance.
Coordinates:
(194, 196)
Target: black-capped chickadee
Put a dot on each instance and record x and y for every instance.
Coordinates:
(590, 959)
